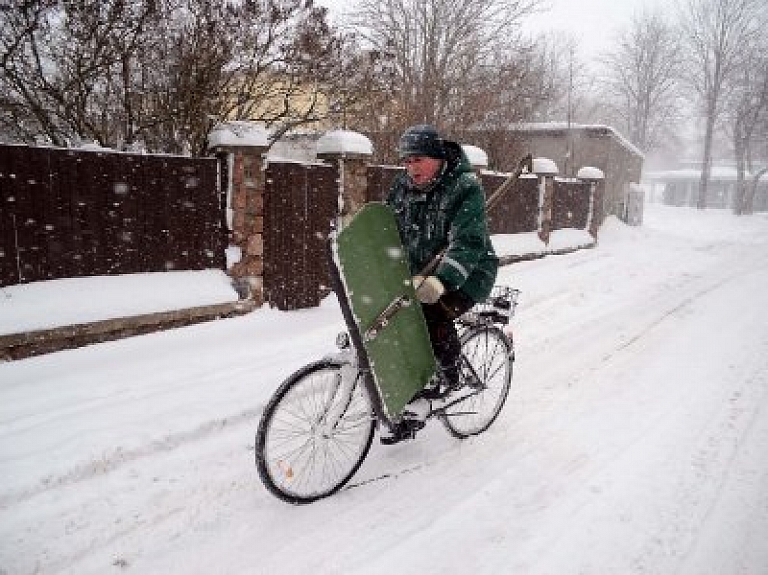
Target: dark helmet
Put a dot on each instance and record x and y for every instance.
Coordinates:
(421, 140)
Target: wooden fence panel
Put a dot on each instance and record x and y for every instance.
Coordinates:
(380, 179)
(126, 190)
(64, 255)
(24, 187)
(299, 203)
(70, 213)
(570, 204)
(11, 212)
(186, 213)
(323, 208)
(518, 211)
(154, 235)
(281, 186)
(8, 262)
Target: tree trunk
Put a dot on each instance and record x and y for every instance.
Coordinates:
(739, 152)
(706, 166)
(749, 197)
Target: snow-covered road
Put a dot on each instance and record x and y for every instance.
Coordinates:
(635, 440)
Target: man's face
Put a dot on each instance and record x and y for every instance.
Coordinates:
(421, 169)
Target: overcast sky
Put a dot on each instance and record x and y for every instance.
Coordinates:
(594, 23)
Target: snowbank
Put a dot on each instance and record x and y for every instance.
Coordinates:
(55, 303)
(518, 244)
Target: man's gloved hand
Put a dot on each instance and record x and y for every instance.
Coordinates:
(428, 289)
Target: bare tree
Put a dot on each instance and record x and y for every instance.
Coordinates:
(284, 64)
(160, 71)
(747, 116)
(640, 78)
(441, 50)
(566, 80)
(516, 87)
(716, 33)
(364, 86)
(56, 54)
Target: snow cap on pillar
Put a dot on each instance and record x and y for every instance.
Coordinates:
(237, 134)
(589, 173)
(344, 143)
(476, 156)
(544, 167)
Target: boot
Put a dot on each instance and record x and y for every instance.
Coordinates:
(415, 416)
(403, 431)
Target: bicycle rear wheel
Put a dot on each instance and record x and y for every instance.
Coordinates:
(488, 351)
(300, 456)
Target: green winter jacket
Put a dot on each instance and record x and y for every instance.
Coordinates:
(451, 212)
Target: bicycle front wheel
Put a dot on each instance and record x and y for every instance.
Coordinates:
(314, 433)
(488, 351)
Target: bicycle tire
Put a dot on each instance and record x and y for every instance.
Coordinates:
(489, 352)
(296, 461)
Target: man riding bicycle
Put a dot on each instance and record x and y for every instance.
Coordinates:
(439, 204)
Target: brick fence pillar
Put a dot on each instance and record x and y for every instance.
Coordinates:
(545, 170)
(244, 145)
(352, 153)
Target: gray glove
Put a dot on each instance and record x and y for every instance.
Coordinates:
(428, 289)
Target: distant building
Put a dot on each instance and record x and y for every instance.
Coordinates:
(573, 147)
(681, 188)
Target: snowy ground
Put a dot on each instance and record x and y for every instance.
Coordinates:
(635, 440)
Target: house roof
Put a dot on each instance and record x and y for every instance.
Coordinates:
(561, 128)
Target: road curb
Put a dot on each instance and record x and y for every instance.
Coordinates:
(38, 342)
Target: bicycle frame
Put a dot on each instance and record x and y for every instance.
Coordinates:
(343, 387)
(351, 375)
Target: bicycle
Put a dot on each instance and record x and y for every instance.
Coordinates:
(318, 427)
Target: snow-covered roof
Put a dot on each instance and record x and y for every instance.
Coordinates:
(344, 142)
(598, 129)
(239, 133)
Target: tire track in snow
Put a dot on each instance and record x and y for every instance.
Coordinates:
(676, 309)
(119, 457)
